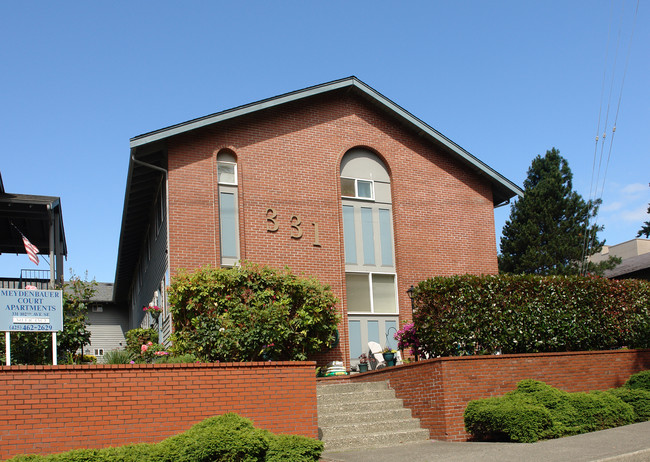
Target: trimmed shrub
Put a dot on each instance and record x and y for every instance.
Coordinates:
(251, 313)
(226, 438)
(507, 419)
(464, 315)
(293, 448)
(638, 398)
(537, 411)
(598, 410)
(639, 381)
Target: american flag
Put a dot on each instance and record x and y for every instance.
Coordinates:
(32, 250)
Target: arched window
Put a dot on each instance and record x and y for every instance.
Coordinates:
(371, 285)
(228, 208)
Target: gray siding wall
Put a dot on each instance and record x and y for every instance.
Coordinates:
(152, 267)
(107, 329)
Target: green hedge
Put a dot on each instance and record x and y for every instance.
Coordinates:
(639, 381)
(251, 313)
(638, 398)
(536, 411)
(226, 438)
(463, 315)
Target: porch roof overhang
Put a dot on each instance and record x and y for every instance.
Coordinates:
(31, 216)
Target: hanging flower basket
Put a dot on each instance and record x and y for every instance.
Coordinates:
(153, 310)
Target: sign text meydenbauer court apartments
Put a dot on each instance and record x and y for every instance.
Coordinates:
(31, 310)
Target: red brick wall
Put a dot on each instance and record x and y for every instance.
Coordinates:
(48, 409)
(438, 390)
(289, 158)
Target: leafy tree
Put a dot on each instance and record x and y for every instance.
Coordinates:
(645, 229)
(76, 295)
(548, 227)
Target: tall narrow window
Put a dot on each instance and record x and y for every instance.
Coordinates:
(370, 279)
(228, 209)
(368, 233)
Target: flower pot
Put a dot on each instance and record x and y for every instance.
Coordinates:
(389, 358)
(363, 367)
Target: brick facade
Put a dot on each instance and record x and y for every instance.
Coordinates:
(438, 390)
(49, 409)
(289, 158)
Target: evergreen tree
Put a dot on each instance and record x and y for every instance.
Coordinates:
(548, 227)
(645, 229)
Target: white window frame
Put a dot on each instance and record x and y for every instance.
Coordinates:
(234, 164)
(98, 352)
(356, 189)
(372, 300)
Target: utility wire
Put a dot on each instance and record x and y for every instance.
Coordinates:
(593, 166)
(618, 106)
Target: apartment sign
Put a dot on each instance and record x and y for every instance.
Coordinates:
(24, 310)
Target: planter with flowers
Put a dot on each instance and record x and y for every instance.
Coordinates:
(389, 356)
(363, 363)
(153, 310)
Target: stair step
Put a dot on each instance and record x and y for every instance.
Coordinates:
(345, 418)
(370, 427)
(350, 387)
(364, 406)
(376, 440)
(364, 415)
(355, 397)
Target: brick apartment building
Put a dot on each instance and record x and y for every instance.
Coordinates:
(335, 181)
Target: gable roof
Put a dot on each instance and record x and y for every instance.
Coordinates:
(502, 188)
(148, 161)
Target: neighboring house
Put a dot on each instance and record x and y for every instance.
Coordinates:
(107, 323)
(635, 259)
(334, 181)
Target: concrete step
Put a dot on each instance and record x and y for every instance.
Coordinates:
(370, 427)
(363, 406)
(351, 387)
(375, 440)
(356, 396)
(328, 420)
(364, 415)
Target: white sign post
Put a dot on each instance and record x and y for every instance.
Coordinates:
(26, 310)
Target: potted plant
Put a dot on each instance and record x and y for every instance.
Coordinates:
(389, 356)
(153, 310)
(363, 363)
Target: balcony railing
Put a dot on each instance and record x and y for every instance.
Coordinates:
(28, 277)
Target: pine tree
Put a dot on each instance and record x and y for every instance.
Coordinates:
(645, 229)
(548, 227)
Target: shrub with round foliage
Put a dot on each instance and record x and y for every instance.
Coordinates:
(638, 398)
(251, 313)
(535, 410)
(640, 380)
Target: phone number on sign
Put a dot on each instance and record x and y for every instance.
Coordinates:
(32, 327)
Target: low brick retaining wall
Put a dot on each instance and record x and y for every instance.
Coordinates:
(46, 409)
(438, 390)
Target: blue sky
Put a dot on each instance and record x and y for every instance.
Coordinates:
(506, 80)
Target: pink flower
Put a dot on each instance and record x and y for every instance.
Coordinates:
(149, 343)
(144, 348)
